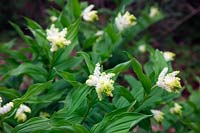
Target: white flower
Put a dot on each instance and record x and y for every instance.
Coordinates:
(154, 12)
(158, 115)
(102, 82)
(177, 109)
(169, 56)
(125, 21)
(57, 38)
(99, 33)
(142, 48)
(6, 108)
(20, 114)
(53, 18)
(169, 82)
(89, 14)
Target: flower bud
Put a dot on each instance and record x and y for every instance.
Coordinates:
(177, 109)
(158, 115)
(124, 21)
(169, 82)
(89, 14)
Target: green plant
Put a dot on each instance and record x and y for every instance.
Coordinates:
(67, 90)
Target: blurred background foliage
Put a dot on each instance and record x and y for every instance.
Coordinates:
(178, 31)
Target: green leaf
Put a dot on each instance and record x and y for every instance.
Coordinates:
(32, 91)
(62, 55)
(69, 63)
(158, 62)
(120, 67)
(16, 55)
(37, 72)
(26, 38)
(137, 89)
(89, 42)
(19, 31)
(43, 125)
(118, 122)
(88, 61)
(77, 98)
(75, 7)
(121, 103)
(154, 97)
(32, 24)
(124, 122)
(73, 102)
(113, 33)
(33, 124)
(73, 30)
(9, 93)
(194, 98)
(69, 77)
(7, 128)
(137, 68)
(125, 93)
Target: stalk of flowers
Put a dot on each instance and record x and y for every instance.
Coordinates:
(57, 38)
(20, 114)
(158, 115)
(169, 56)
(102, 82)
(177, 109)
(124, 21)
(89, 14)
(6, 108)
(169, 81)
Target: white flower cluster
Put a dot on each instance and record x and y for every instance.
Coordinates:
(124, 21)
(57, 38)
(158, 115)
(6, 108)
(169, 56)
(169, 82)
(20, 114)
(89, 14)
(177, 109)
(101, 81)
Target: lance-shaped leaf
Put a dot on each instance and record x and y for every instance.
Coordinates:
(88, 61)
(32, 91)
(118, 122)
(37, 72)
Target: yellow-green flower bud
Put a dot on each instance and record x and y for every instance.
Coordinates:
(177, 109)
(158, 115)
(89, 14)
(124, 21)
(169, 82)
(169, 56)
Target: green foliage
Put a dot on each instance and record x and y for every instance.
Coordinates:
(54, 85)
